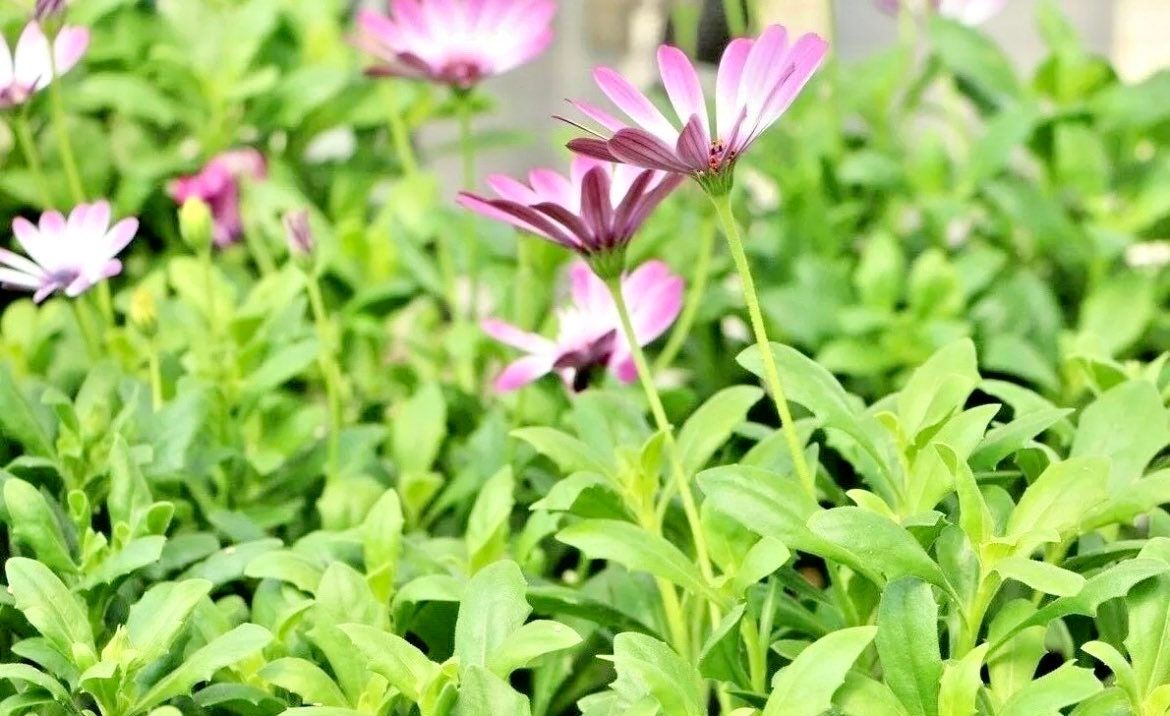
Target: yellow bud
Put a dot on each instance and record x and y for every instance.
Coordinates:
(143, 311)
(195, 224)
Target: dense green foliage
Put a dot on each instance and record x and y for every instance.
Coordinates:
(947, 254)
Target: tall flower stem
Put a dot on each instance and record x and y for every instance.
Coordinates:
(156, 386)
(695, 295)
(64, 144)
(327, 360)
(771, 372)
(93, 344)
(399, 134)
(32, 157)
(467, 156)
(678, 473)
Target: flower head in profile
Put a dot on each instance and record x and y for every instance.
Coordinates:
(967, 12)
(589, 337)
(31, 67)
(218, 184)
(758, 80)
(595, 211)
(455, 42)
(66, 254)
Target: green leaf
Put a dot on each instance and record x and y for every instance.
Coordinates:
(878, 543)
(637, 549)
(298, 570)
(975, 59)
(765, 557)
(570, 454)
(806, 686)
(48, 605)
(487, 526)
(768, 504)
(907, 643)
(939, 388)
(344, 596)
(1041, 576)
(418, 430)
(29, 675)
(712, 424)
(648, 667)
(221, 652)
(381, 533)
(1004, 440)
(161, 615)
(493, 608)
(1117, 312)
(18, 420)
(33, 524)
(530, 642)
(404, 666)
(305, 679)
(1052, 692)
(1122, 671)
(960, 684)
(1148, 607)
(286, 363)
(1060, 497)
(482, 693)
(1127, 424)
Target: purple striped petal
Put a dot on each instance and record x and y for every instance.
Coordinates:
(694, 145)
(594, 148)
(596, 210)
(643, 149)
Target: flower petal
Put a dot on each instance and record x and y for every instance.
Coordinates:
(693, 145)
(682, 86)
(594, 148)
(31, 62)
(522, 372)
(727, 102)
(642, 149)
(596, 210)
(641, 110)
(510, 335)
(69, 47)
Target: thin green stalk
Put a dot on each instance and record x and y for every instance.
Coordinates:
(771, 372)
(258, 248)
(64, 144)
(698, 290)
(467, 154)
(93, 344)
(327, 360)
(32, 157)
(156, 389)
(677, 471)
(399, 134)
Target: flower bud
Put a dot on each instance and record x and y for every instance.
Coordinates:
(299, 233)
(47, 10)
(195, 224)
(143, 311)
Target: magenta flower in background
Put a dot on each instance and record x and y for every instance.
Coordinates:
(758, 80)
(69, 255)
(968, 12)
(218, 184)
(30, 68)
(595, 211)
(589, 336)
(455, 42)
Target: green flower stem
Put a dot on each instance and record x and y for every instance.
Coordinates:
(771, 372)
(156, 387)
(32, 157)
(698, 290)
(254, 239)
(972, 615)
(399, 134)
(93, 344)
(327, 360)
(678, 474)
(64, 144)
(467, 154)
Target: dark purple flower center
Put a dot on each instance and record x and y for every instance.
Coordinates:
(589, 360)
(720, 156)
(462, 73)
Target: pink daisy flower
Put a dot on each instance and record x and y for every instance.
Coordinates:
(218, 184)
(595, 211)
(68, 255)
(455, 42)
(967, 12)
(589, 337)
(30, 69)
(758, 80)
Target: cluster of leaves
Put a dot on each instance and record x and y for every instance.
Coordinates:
(985, 413)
